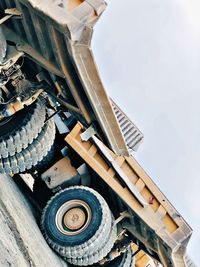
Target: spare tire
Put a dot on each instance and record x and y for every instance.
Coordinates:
(18, 131)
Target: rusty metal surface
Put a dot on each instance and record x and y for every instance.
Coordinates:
(57, 35)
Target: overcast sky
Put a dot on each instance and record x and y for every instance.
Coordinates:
(148, 53)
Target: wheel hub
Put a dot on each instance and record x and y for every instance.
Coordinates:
(74, 219)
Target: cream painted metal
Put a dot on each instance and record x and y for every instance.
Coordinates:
(160, 227)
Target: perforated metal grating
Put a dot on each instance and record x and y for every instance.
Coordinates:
(132, 135)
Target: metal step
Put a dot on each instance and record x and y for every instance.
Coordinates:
(132, 135)
(189, 262)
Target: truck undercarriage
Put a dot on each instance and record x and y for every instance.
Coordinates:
(59, 125)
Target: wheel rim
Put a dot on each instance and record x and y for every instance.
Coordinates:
(73, 217)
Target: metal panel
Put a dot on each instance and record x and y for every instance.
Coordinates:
(97, 96)
(58, 37)
(157, 224)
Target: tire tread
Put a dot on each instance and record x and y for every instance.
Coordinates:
(19, 138)
(32, 154)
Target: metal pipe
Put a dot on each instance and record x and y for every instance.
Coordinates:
(63, 102)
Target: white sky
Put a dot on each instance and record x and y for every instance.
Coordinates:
(148, 53)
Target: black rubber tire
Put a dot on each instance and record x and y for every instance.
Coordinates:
(21, 129)
(31, 155)
(90, 244)
(47, 161)
(104, 247)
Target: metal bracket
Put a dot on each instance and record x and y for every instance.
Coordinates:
(11, 12)
(18, 105)
(87, 134)
(13, 56)
(124, 214)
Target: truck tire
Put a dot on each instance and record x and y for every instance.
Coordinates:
(31, 155)
(77, 223)
(18, 131)
(47, 160)
(124, 260)
(103, 249)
